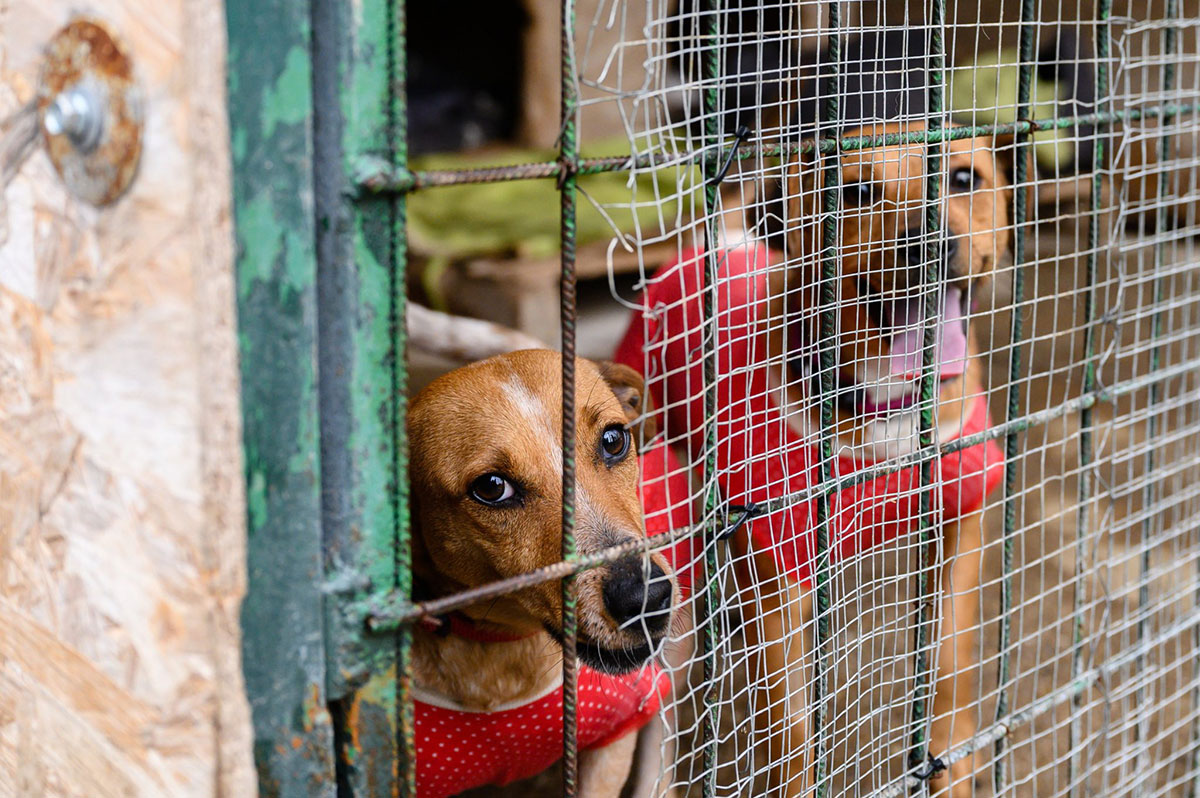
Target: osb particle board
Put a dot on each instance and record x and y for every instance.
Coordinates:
(122, 536)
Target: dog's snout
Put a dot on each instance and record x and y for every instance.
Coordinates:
(630, 592)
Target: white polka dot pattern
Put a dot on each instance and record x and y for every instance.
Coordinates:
(458, 751)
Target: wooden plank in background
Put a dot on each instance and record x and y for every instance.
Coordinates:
(122, 539)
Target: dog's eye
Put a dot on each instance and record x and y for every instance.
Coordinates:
(614, 443)
(964, 180)
(858, 194)
(492, 489)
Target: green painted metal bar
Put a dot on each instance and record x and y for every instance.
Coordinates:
(406, 746)
(1075, 727)
(358, 89)
(387, 611)
(376, 177)
(831, 169)
(1150, 497)
(283, 644)
(569, 166)
(707, 622)
(1012, 449)
(924, 677)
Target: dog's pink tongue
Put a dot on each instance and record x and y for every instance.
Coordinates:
(950, 350)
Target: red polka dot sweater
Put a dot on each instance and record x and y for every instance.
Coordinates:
(458, 750)
(759, 457)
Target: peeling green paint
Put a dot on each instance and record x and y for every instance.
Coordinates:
(256, 499)
(261, 241)
(289, 100)
(361, 379)
(270, 101)
(320, 294)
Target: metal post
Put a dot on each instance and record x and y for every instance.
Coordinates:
(1012, 508)
(398, 122)
(924, 677)
(1075, 729)
(709, 32)
(831, 167)
(569, 164)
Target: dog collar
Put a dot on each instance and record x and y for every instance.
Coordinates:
(461, 625)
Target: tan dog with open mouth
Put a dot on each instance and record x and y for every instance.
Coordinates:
(881, 291)
(486, 469)
(767, 425)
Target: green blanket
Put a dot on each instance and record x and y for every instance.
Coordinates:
(521, 217)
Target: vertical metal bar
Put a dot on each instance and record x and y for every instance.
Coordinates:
(1075, 728)
(1012, 508)
(1141, 728)
(358, 84)
(924, 676)
(831, 167)
(569, 159)
(710, 25)
(398, 123)
(284, 637)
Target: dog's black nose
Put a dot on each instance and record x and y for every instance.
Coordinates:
(630, 592)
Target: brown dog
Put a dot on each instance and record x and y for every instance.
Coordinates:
(487, 505)
(880, 302)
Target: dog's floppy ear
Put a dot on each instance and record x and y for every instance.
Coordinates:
(630, 389)
(1005, 148)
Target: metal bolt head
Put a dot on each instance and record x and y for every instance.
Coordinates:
(90, 111)
(76, 113)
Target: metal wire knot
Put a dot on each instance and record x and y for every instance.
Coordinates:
(746, 512)
(931, 768)
(740, 136)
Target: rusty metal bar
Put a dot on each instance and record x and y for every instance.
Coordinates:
(388, 611)
(377, 177)
(568, 164)
(406, 753)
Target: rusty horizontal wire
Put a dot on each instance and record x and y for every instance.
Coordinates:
(377, 177)
(388, 611)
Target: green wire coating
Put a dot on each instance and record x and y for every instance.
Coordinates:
(1075, 728)
(1021, 154)
(924, 677)
(831, 167)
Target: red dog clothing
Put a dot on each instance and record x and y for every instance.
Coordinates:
(458, 750)
(666, 494)
(759, 457)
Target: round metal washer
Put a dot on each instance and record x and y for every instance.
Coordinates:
(90, 112)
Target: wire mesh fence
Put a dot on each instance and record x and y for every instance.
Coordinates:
(924, 379)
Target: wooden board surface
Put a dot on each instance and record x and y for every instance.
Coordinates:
(122, 531)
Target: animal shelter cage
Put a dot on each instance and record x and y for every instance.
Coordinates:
(1081, 666)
